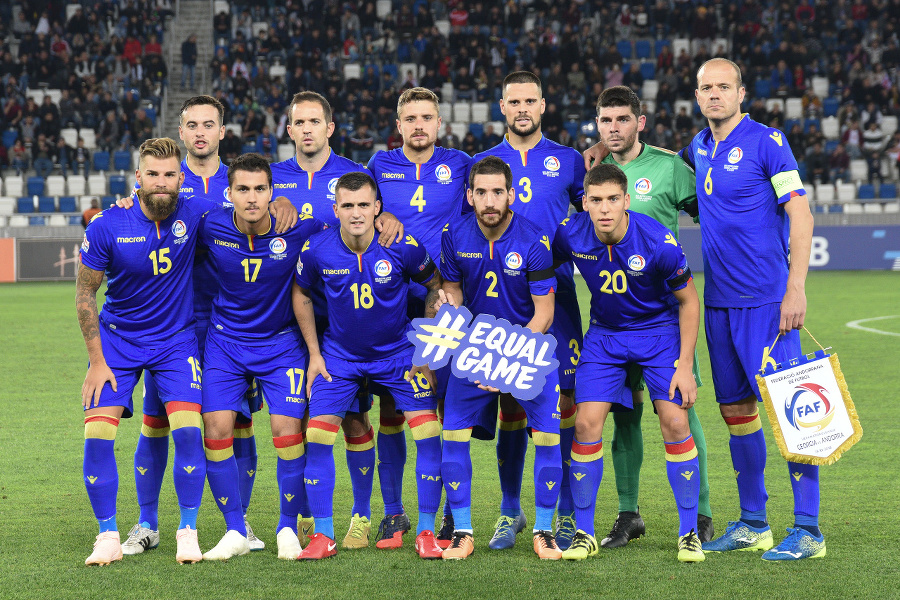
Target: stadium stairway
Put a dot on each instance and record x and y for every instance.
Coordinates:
(194, 17)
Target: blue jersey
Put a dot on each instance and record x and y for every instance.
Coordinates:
(631, 281)
(499, 278)
(366, 293)
(547, 179)
(148, 266)
(254, 299)
(312, 192)
(742, 183)
(423, 197)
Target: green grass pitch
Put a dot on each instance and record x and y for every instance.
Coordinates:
(47, 528)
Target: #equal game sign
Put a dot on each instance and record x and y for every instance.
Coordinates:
(491, 351)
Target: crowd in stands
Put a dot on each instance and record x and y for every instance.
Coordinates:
(96, 68)
(826, 72)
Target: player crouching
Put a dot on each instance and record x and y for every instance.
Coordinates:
(645, 312)
(365, 288)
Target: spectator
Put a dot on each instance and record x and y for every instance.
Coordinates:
(108, 134)
(267, 144)
(852, 138)
(839, 164)
(90, 213)
(230, 147)
(873, 149)
(450, 139)
(470, 144)
(490, 138)
(20, 157)
(395, 140)
(817, 167)
(188, 59)
(797, 141)
(43, 157)
(362, 144)
(141, 128)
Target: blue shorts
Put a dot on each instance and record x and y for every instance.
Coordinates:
(468, 406)
(279, 367)
(153, 405)
(606, 358)
(738, 339)
(170, 363)
(340, 395)
(567, 330)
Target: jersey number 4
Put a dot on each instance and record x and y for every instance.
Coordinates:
(418, 199)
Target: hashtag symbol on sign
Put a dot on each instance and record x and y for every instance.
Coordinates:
(443, 336)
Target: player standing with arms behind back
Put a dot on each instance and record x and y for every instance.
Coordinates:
(757, 233)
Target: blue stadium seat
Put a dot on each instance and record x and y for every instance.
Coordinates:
(75, 220)
(46, 204)
(151, 113)
(819, 209)
(648, 70)
(808, 122)
(830, 106)
(107, 201)
(9, 137)
(392, 69)
(25, 204)
(866, 191)
(122, 160)
(624, 48)
(37, 221)
(888, 191)
(830, 145)
(117, 185)
(35, 186)
(801, 169)
(789, 124)
(835, 208)
(477, 129)
(762, 88)
(68, 204)
(642, 49)
(496, 115)
(572, 127)
(660, 44)
(248, 148)
(101, 160)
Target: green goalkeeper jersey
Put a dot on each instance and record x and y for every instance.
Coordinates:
(660, 184)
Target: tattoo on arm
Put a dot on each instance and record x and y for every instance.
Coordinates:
(434, 286)
(87, 284)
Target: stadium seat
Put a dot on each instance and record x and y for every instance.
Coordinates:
(122, 160)
(649, 89)
(56, 185)
(853, 208)
(892, 207)
(383, 8)
(773, 101)
(872, 208)
(445, 111)
(789, 124)
(97, 184)
(865, 192)
(481, 112)
(681, 43)
(117, 185)
(825, 193)
(3, 221)
(14, 186)
(221, 6)
(888, 191)
(70, 134)
(18, 221)
(793, 108)
(809, 123)
(443, 26)
(352, 71)
(462, 112)
(846, 192)
(889, 125)
(7, 205)
(84, 203)
(624, 48)
(408, 67)
(762, 88)
(75, 220)
(830, 106)
(720, 41)
(659, 45)
(9, 137)
(830, 146)
(89, 137)
(236, 128)
(859, 170)
(131, 180)
(107, 201)
(101, 160)
(459, 129)
(151, 113)
(820, 86)
(285, 151)
(686, 104)
(57, 221)
(447, 91)
(835, 209)
(277, 71)
(496, 114)
(831, 128)
(476, 128)
(801, 170)
(37, 221)
(572, 127)
(35, 186)
(648, 70)
(67, 204)
(76, 185)
(642, 49)
(589, 128)
(248, 147)
(46, 204)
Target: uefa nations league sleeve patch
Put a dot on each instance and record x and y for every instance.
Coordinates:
(492, 351)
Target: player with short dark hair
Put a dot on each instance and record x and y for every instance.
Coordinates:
(644, 311)
(147, 322)
(499, 263)
(424, 186)
(548, 180)
(366, 289)
(252, 334)
(661, 185)
(754, 216)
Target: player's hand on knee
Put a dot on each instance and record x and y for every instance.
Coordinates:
(793, 310)
(96, 378)
(390, 229)
(125, 202)
(285, 214)
(684, 382)
(315, 369)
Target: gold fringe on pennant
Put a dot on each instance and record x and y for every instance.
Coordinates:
(851, 413)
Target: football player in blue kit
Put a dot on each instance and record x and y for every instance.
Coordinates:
(366, 288)
(253, 334)
(644, 311)
(757, 233)
(147, 322)
(499, 263)
(205, 176)
(308, 180)
(424, 185)
(548, 180)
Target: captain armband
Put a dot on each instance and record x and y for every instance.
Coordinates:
(787, 182)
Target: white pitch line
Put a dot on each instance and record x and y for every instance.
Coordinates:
(856, 325)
